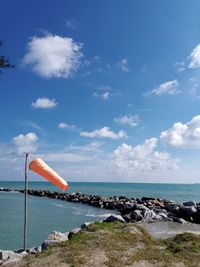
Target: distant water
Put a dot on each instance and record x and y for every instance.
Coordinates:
(46, 215)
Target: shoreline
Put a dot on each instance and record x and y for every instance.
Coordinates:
(146, 209)
(150, 213)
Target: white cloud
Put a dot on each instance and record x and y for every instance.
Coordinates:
(104, 132)
(25, 143)
(104, 96)
(65, 126)
(53, 56)
(123, 65)
(183, 135)
(131, 120)
(91, 147)
(44, 103)
(169, 87)
(143, 157)
(195, 58)
(180, 66)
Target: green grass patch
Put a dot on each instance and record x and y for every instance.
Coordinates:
(118, 244)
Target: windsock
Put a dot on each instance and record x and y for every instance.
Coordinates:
(40, 167)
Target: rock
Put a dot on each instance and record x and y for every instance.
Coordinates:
(187, 211)
(7, 254)
(149, 216)
(147, 198)
(60, 237)
(141, 207)
(73, 232)
(23, 253)
(179, 220)
(189, 203)
(9, 258)
(127, 218)
(136, 215)
(171, 206)
(163, 215)
(114, 218)
(85, 225)
(48, 243)
(157, 203)
(35, 250)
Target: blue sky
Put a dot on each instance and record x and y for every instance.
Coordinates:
(102, 90)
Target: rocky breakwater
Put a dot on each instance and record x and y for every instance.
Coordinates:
(146, 209)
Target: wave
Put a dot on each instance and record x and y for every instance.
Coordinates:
(60, 206)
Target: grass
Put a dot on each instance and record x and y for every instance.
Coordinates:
(119, 244)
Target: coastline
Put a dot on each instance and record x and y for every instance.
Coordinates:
(145, 212)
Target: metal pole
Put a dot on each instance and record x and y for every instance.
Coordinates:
(25, 200)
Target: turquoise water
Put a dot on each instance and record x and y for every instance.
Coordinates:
(46, 215)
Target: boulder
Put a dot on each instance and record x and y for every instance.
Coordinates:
(34, 250)
(7, 254)
(149, 216)
(187, 211)
(147, 198)
(85, 225)
(189, 203)
(136, 215)
(114, 218)
(48, 244)
(171, 206)
(73, 232)
(141, 207)
(10, 258)
(60, 237)
(127, 218)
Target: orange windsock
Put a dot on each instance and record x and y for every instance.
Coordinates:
(40, 167)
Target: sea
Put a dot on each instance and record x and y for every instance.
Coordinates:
(46, 215)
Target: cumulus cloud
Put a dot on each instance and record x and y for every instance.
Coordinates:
(131, 120)
(143, 157)
(104, 132)
(123, 65)
(65, 126)
(169, 87)
(44, 103)
(53, 56)
(195, 58)
(25, 143)
(183, 135)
